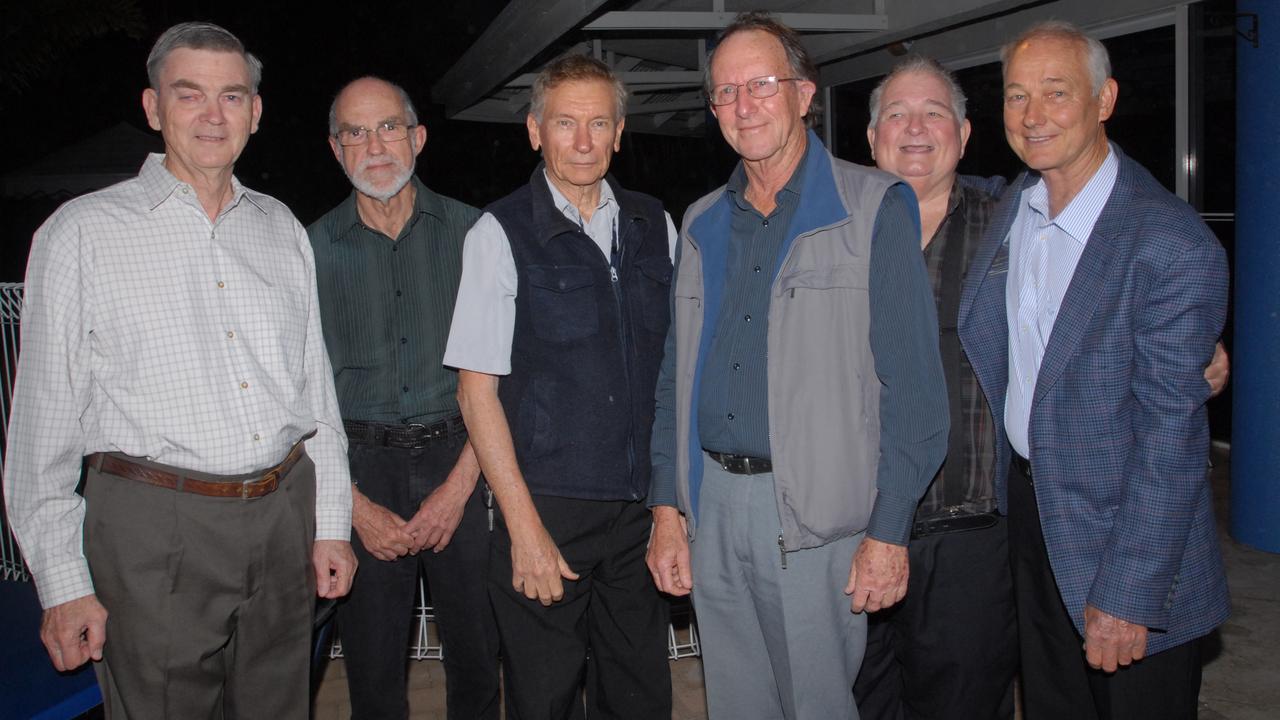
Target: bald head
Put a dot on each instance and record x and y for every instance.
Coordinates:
(375, 136)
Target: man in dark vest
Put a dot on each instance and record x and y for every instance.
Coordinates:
(557, 333)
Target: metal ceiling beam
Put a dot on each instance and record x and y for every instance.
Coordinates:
(524, 29)
(703, 21)
(942, 21)
(654, 108)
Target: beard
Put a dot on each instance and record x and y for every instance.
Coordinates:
(397, 182)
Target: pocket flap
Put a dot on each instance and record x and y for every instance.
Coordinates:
(657, 268)
(560, 278)
(848, 275)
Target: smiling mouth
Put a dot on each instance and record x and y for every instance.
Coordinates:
(915, 148)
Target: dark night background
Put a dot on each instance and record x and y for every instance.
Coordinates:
(72, 68)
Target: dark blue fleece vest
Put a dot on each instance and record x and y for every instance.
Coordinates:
(586, 348)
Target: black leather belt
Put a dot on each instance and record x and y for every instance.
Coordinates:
(414, 435)
(742, 464)
(1022, 465)
(954, 523)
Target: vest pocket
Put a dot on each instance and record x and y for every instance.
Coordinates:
(562, 302)
(654, 292)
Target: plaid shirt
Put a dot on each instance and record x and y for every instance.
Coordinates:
(965, 485)
(150, 330)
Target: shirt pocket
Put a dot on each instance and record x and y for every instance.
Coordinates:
(847, 276)
(562, 302)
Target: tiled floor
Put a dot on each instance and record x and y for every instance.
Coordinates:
(1241, 674)
(426, 691)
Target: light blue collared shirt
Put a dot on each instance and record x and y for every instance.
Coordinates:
(1043, 254)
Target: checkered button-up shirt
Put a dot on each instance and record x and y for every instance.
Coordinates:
(150, 330)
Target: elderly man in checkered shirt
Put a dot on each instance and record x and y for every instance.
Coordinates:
(172, 349)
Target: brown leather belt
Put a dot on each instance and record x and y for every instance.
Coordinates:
(254, 487)
(742, 464)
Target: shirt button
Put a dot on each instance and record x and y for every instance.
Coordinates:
(729, 416)
(737, 366)
(398, 293)
(746, 318)
(231, 334)
(244, 386)
(221, 284)
(766, 222)
(256, 436)
(404, 341)
(405, 388)
(756, 269)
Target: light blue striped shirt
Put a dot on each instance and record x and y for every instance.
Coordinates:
(1043, 253)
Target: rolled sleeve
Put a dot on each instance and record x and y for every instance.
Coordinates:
(914, 417)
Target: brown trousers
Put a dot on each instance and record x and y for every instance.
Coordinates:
(209, 600)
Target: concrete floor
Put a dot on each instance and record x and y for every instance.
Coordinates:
(1241, 673)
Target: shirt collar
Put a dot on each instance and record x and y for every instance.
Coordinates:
(569, 210)
(158, 185)
(1081, 214)
(737, 185)
(424, 201)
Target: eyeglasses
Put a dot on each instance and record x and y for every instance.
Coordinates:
(388, 132)
(758, 88)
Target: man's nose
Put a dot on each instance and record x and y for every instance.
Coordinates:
(582, 138)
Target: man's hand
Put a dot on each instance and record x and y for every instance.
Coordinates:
(1110, 642)
(382, 532)
(1218, 371)
(335, 566)
(537, 566)
(668, 556)
(74, 632)
(438, 517)
(877, 576)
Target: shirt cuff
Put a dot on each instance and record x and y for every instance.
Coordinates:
(891, 519)
(64, 583)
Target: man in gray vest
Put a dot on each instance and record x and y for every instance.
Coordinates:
(801, 409)
(388, 261)
(561, 315)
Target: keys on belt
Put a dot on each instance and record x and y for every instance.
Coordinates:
(742, 464)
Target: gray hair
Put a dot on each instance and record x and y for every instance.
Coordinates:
(410, 112)
(573, 68)
(200, 36)
(928, 66)
(1096, 56)
(802, 66)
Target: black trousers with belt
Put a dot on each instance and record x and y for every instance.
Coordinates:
(375, 621)
(949, 650)
(1057, 682)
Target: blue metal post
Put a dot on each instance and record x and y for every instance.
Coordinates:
(1255, 417)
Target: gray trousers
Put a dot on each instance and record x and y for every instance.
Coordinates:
(210, 600)
(776, 642)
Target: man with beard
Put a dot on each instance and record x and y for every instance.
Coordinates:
(388, 260)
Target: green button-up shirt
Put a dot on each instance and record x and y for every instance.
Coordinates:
(386, 306)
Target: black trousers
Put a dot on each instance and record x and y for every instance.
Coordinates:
(612, 613)
(376, 620)
(209, 600)
(1057, 682)
(950, 648)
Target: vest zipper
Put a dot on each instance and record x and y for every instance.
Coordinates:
(782, 550)
(622, 344)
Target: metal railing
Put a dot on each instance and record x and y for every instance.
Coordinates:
(11, 565)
